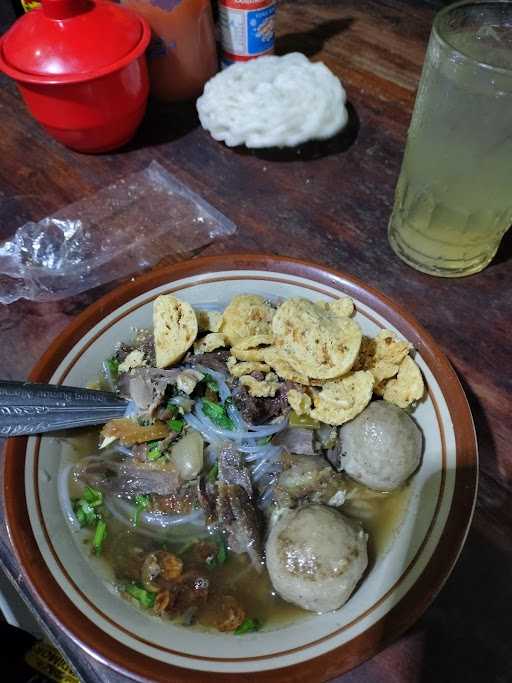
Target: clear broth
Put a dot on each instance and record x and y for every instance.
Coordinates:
(381, 515)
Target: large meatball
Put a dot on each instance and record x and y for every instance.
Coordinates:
(315, 557)
(381, 447)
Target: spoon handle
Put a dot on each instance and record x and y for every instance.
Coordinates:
(27, 408)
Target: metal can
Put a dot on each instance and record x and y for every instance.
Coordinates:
(247, 29)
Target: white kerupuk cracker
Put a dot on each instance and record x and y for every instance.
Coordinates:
(273, 102)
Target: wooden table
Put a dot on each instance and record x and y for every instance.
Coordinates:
(331, 204)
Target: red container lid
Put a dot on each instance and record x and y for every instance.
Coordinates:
(71, 41)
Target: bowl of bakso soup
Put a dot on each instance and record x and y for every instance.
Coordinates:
(290, 485)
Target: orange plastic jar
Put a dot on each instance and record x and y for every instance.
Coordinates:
(182, 55)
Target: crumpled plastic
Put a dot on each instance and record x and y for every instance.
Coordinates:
(122, 229)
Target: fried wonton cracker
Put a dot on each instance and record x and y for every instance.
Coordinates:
(245, 316)
(209, 342)
(245, 367)
(343, 307)
(314, 340)
(263, 388)
(279, 364)
(341, 400)
(408, 385)
(175, 329)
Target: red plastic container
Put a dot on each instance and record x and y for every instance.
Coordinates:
(81, 69)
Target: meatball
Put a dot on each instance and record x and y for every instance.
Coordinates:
(315, 557)
(381, 447)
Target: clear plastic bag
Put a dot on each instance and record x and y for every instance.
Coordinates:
(122, 229)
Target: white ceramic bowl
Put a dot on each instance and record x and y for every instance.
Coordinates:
(400, 584)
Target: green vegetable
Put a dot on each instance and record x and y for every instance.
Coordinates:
(113, 367)
(264, 440)
(176, 425)
(88, 515)
(217, 414)
(220, 557)
(84, 508)
(84, 512)
(154, 451)
(248, 626)
(93, 496)
(211, 383)
(99, 536)
(144, 597)
(213, 473)
(141, 503)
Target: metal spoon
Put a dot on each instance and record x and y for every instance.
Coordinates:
(27, 408)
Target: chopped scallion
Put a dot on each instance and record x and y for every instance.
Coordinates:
(248, 626)
(99, 536)
(217, 414)
(113, 367)
(176, 425)
(84, 512)
(221, 555)
(144, 597)
(93, 496)
(141, 503)
(154, 452)
(85, 507)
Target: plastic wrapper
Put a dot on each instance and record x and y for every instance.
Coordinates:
(123, 229)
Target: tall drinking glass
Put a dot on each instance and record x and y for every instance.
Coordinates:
(453, 199)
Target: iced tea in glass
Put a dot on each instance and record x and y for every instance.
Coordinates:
(453, 199)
